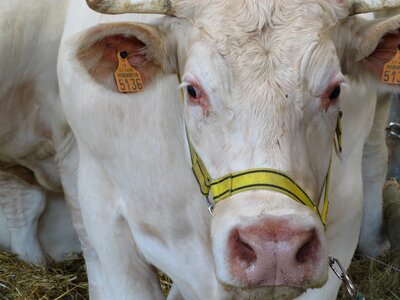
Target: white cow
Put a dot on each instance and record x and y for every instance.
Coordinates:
(31, 131)
(261, 82)
(34, 223)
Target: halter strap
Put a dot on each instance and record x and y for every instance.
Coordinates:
(255, 179)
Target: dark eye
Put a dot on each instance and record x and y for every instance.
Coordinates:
(335, 93)
(192, 91)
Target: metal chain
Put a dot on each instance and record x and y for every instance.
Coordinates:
(340, 272)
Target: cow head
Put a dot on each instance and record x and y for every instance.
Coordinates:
(262, 83)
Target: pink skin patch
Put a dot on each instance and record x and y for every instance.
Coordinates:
(116, 43)
(133, 47)
(201, 98)
(326, 101)
(103, 66)
(384, 52)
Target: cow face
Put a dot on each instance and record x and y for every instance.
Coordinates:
(262, 84)
(264, 93)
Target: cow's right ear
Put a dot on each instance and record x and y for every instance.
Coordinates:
(148, 51)
(369, 45)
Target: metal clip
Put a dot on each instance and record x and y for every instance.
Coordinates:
(342, 275)
(394, 129)
(210, 205)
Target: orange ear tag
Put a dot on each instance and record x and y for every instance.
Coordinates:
(128, 79)
(391, 70)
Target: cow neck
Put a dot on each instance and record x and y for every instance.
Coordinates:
(259, 178)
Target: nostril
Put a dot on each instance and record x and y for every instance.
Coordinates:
(243, 253)
(304, 253)
(246, 252)
(308, 251)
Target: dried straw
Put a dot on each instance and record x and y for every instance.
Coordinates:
(20, 281)
(66, 280)
(378, 279)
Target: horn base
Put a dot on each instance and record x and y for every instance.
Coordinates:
(112, 7)
(366, 6)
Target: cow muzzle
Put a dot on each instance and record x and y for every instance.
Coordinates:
(274, 253)
(277, 249)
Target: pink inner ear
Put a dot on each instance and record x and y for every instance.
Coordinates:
(384, 52)
(101, 59)
(114, 44)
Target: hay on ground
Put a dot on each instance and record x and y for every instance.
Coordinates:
(20, 281)
(377, 279)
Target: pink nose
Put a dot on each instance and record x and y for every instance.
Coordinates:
(274, 253)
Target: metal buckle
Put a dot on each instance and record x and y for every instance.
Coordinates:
(394, 129)
(343, 276)
(210, 205)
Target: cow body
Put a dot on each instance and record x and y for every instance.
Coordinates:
(31, 127)
(50, 234)
(244, 109)
(130, 187)
(28, 81)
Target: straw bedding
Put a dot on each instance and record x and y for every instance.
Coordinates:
(66, 280)
(378, 279)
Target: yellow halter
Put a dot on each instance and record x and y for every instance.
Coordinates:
(253, 179)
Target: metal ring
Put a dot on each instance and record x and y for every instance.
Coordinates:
(332, 262)
(211, 209)
(351, 288)
(394, 129)
(210, 205)
(342, 275)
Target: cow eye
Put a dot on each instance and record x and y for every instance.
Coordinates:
(335, 93)
(193, 92)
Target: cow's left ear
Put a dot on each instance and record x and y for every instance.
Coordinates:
(146, 47)
(369, 46)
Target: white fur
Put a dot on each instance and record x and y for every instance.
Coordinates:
(22, 204)
(51, 235)
(138, 204)
(374, 165)
(30, 123)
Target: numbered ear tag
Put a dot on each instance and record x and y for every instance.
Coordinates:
(128, 79)
(391, 70)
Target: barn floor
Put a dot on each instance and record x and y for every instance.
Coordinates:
(20, 281)
(378, 279)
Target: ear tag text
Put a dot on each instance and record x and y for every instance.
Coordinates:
(391, 70)
(128, 79)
